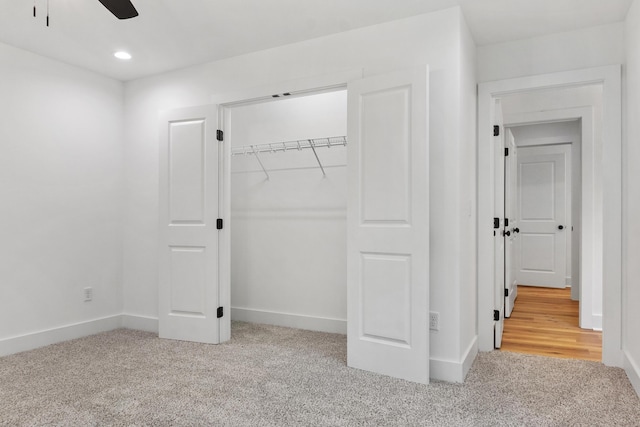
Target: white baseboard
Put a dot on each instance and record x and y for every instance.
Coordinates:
(289, 320)
(633, 371)
(454, 371)
(469, 357)
(34, 340)
(596, 322)
(140, 323)
(443, 370)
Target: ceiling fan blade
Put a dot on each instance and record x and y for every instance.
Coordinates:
(122, 9)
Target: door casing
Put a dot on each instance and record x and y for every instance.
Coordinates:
(611, 158)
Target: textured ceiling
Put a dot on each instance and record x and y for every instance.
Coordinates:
(171, 34)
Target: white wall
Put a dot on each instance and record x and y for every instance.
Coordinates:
(591, 47)
(288, 232)
(432, 39)
(631, 200)
(61, 172)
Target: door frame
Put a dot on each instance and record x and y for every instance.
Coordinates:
(582, 279)
(266, 93)
(611, 219)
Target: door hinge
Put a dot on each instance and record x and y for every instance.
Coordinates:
(220, 312)
(496, 130)
(506, 222)
(219, 223)
(506, 151)
(506, 292)
(496, 315)
(496, 222)
(219, 135)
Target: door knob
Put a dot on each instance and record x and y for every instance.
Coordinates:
(507, 233)
(516, 230)
(560, 227)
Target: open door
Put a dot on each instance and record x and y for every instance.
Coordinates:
(499, 226)
(388, 225)
(188, 240)
(512, 230)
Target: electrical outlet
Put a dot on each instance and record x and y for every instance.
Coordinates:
(88, 294)
(434, 321)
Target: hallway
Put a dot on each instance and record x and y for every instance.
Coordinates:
(545, 322)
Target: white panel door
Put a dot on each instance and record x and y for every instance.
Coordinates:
(512, 229)
(188, 238)
(499, 227)
(543, 221)
(388, 225)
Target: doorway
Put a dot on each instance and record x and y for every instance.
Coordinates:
(543, 191)
(288, 205)
(542, 202)
(385, 192)
(601, 243)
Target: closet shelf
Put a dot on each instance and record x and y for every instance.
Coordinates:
(300, 144)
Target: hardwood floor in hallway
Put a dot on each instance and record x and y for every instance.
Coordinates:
(545, 322)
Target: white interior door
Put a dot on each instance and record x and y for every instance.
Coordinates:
(510, 213)
(544, 225)
(188, 244)
(388, 225)
(499, 227)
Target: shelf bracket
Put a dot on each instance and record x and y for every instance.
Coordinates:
(313, 147)
(259, 161)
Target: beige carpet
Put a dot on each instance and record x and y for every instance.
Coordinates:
(272, 376)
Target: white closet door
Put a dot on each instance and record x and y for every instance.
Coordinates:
(188, 275)
(388, 225)
(512, 231)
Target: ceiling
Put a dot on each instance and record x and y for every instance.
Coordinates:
(171, 34)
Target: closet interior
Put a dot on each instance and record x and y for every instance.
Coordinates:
(288, 211)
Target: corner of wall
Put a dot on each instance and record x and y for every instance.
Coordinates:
(468, 197)
(140, 323)
(33, 340)
(631, 155)
(633, 371)
(454, 371)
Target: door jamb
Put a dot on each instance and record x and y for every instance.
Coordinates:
(611, 251)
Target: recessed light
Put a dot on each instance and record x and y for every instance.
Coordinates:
(121, 54)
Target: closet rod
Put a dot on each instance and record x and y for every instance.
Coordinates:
(300, 144)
